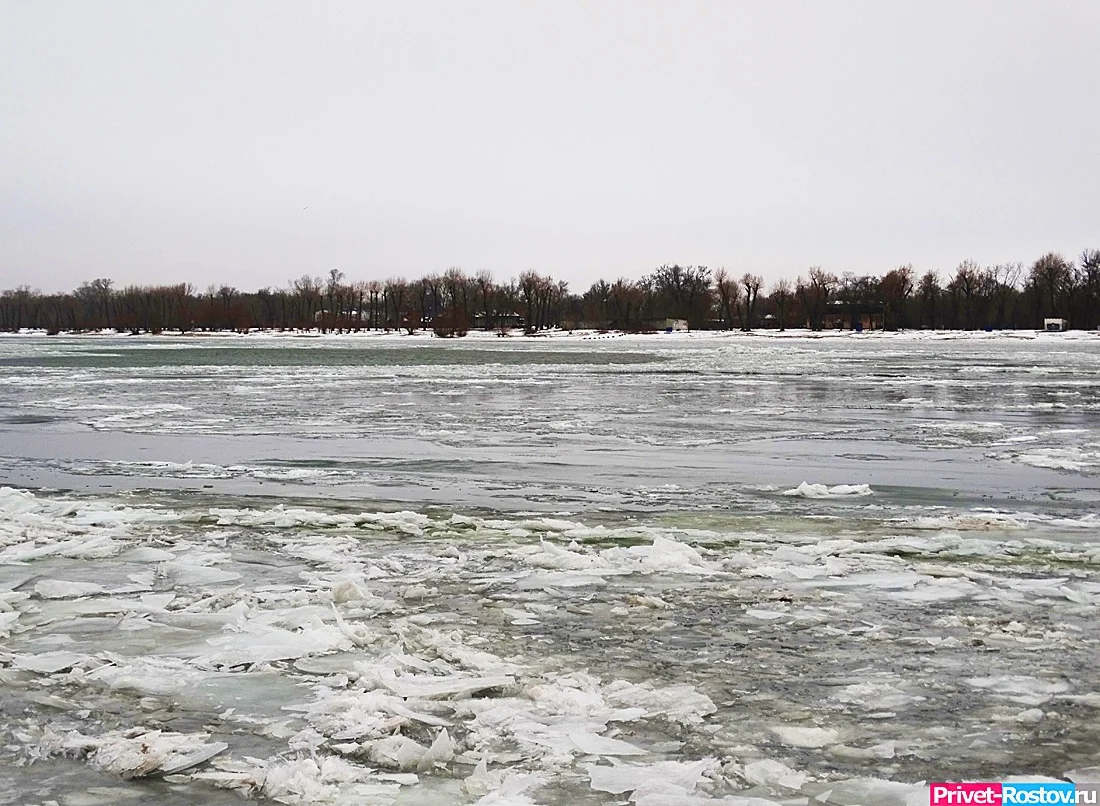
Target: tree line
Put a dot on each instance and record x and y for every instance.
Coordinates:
(973, 297)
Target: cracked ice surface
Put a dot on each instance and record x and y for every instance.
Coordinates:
(400, 657)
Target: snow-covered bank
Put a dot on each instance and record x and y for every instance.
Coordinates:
(794, 333)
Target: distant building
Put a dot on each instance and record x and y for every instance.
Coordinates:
(1055, 325)
(348, 314)
(666, 325)
(499, 320)
(841, 315)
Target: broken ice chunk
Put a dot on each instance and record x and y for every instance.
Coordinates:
(138, 752)
(684, 775)
(428, 687)
(593, 744)
(806, 490)
(767, 771)
(48, 662)
(441, 752)
(62, 589)
(805, 737)
(1022, 689)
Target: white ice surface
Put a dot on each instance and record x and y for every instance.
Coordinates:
(807, 490)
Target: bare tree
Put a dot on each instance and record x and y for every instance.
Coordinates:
(1006, 280)
(486, 293)
(895, 288)
(375, 296)
(307, 292)
(751, 283)
(1088, 282)
(928, 294)
(728, 292)
(1051, 277)
(996, 296)
(970, 292)
(597, 303)
(815, 291)
(782, 294)
(95, 298)
(625, 304)
(506, 301)
(684, 290)
(395, 302)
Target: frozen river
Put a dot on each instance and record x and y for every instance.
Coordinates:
(665, 570)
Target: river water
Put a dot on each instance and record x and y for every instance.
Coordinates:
(672, 569)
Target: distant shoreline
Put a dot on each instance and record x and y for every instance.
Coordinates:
(575, 335)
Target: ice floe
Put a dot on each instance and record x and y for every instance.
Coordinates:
(136, 752)
(807, 490)
(799, 736)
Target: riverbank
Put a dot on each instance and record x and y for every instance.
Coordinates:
(588, 334)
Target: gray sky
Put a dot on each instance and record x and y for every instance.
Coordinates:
(248, 143)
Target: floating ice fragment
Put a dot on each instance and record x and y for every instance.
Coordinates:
(441, 752)
(805, 737)
(147, 676)
(1032, 716)
(1021, 688)
(519, 617)
(348, 590)
(1076, 596)
(396, 751)
(593, 744)
(259, 643)
(565, 579)
(147, 554)
(672, 777)
(765, 615)
(305, 781)
(183, 572)
(665, 554)
(48, 662)
(511, 791)
(1084, 775)
(882, 750)
(806, 490)
(62, 589)
(648, 600)
(499, 786)
(157, 601)
(185, 761)
(938, 590)
(431, 687)
(860, 791)
(681, 702)
(139, 752)
(553, 556)
(767, 772)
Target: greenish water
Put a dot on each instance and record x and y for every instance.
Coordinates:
(289, 356)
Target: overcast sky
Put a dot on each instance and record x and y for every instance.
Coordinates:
(249, 143)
